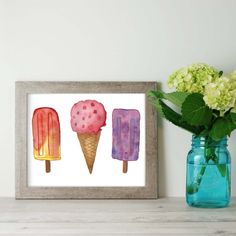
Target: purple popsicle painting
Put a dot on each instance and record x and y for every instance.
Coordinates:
(125, 135)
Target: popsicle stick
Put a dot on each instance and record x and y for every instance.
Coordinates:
(125, 166)
(48, 166)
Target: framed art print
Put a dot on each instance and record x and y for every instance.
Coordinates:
(85, 140)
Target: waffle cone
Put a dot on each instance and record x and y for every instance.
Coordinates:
(89, 143)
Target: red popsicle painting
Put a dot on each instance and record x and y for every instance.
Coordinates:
(87, 118)
(46, 135)
(125, 135)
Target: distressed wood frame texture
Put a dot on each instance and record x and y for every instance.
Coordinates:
(23, 191)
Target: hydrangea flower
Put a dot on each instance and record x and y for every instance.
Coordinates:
(233, 80)
(194, 78)
(233, 75)
(221, 94)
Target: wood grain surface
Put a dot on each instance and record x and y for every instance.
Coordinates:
(113, 218)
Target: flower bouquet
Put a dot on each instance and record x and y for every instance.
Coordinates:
(204, 103)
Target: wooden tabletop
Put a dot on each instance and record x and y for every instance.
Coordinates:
(167, 216)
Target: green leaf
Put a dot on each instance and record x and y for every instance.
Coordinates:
(195, 185)
(157, 105)
(204, 133)
(222, 127)
(192, 188)
(195, 111)
(174, 117)
(177, 98)
(154, 94)
(232, 116)
(222, 169)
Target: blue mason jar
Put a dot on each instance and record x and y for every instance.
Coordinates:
(208, 181)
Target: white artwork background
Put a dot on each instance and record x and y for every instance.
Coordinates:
(72, 170)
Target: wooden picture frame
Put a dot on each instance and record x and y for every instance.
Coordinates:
(24, 191)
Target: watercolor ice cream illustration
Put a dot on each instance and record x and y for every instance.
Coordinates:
(125, 135)
(46, 135)
(87, 118)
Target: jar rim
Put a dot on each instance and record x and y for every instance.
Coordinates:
(204, 137)
(202, 140)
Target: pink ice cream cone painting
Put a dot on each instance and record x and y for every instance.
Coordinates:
(125, 135)
(87, 118)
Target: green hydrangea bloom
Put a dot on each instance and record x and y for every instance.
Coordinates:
(193, 79)
(221, 94)
(233, 80)
(233, 75)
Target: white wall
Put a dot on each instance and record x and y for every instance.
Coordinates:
(112, 40)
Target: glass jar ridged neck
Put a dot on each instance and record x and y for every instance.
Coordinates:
(200, 141)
